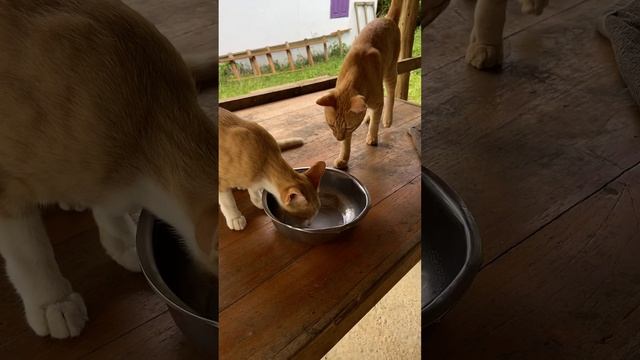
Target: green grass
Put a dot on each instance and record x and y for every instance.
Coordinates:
(229, 87)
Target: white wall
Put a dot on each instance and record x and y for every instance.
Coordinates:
(251, 24)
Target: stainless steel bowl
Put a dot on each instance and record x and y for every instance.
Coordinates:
(344, 202)
(451, 248)
(191, 295)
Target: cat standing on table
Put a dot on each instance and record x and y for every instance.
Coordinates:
(96, 108)
(250, 159)
(371, 61)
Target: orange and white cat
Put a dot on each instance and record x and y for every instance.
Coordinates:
(250, 159)
(371, 61)
(97, 108)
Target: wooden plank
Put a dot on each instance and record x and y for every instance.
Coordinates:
(568, 292)
(293, 90)
(326, 50)
(157, 339)
(538, 137)
(309, 55)
(270, 61)
(407, 27)
(292, 64)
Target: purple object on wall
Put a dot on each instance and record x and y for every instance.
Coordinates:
(339, 8)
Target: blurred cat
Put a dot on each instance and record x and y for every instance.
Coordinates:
(250, 159)
(97, 109)
(371, 61)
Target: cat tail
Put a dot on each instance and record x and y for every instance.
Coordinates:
(290, 143)
(395, 10)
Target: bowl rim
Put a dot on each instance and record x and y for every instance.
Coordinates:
(150, 270)
(440, 305)
(325, 230)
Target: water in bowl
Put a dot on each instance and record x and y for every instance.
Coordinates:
(333, 212)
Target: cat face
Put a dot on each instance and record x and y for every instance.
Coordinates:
(301, 199)
(343, 113)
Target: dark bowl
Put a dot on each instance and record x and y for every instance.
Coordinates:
(344, 202)
(451, 248)
(190, 294)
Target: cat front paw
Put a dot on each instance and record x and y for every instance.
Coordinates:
(341, 164)
(237, 223)
(482, 56)
(387, 121)
(372, 140)
(63, 319)
(533, 7)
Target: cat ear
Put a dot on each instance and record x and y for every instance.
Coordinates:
(294, 196)
(314, 174)
(327, 100)
(358, 104)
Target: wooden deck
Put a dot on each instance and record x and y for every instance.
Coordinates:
(546, 154)
(127, 320)
(281, 298)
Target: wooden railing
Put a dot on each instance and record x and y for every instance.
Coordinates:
(268, 51)
(293, 90)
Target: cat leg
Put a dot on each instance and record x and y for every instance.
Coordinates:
(390, 85)
(485, 47)
(372, 134)
(345, 152)
(235, 220)
(71, 207)
(533, 7)
(51, 306)
(255, 194)
(118, 236)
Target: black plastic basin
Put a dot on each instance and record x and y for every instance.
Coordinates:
(451, 248)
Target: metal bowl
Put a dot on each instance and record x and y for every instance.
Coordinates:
(344, 202)
(190, 294)
(451, 248)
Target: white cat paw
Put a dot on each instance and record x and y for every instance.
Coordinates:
(372, 140)
(367, 119)
(237, 223)
(128, 259)
(340, 163)
(386, 122)
(60, 320)
(533, 7)
(484, 56)
(71, 207)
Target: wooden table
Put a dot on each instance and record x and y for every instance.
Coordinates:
(280, 298)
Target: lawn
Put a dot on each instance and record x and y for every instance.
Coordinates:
(229, 87)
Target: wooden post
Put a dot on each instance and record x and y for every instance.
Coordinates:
(270, 60)
(407, 27)
(339, 34)
(292, 65)
(234, 67)
(326, 50)
(254, 63)
(309, 54)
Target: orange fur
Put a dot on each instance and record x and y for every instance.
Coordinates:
(250, 158)
(371, 61)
